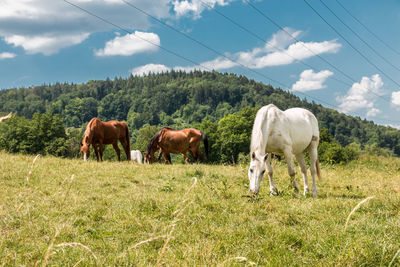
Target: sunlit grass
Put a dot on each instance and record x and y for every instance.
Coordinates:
(119, 213)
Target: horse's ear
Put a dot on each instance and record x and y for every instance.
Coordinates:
(253, 155)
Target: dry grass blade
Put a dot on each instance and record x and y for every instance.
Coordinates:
(147, 241)
(178, 212)
(356, 208)
(31, 169)
(394, 258)
(76, 264)
(239, 258)
(69, 188)
(47, 255)
(76, 244)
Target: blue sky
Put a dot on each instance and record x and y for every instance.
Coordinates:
(48, 41)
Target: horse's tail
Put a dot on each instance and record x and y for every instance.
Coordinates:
(318, 169)
(205, 141)
(128, 141)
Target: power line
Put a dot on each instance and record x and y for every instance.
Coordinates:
(201, 43)
(358, 51)
(219, 53)
(189, 60)
(361, 39)
(268, 43)
(370, 31)
(136, 36)
(294, 38)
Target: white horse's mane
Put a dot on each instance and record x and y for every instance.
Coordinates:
(258, 142)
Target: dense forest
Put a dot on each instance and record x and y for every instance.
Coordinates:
(213, 101)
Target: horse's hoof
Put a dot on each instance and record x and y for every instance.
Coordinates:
(273, 192)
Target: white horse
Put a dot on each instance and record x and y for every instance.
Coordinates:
(286, 133)
(136, 155)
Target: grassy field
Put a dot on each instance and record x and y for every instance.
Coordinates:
(71, 213)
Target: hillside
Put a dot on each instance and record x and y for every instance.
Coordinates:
(180, 99)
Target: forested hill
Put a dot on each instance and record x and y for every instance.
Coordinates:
(180, 99)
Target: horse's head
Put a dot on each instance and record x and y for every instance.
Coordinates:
(149, 157)
(85, 150)
(256, 171)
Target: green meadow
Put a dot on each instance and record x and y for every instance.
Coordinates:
(63, 212)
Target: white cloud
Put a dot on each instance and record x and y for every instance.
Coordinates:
(46, 45)
(195, 7)
(53, 25)
(5, 55)
(362, 95)
(309, 80)
(130, 44)
(396, 98)
(372, 112)
(149, 68)
(267, 56)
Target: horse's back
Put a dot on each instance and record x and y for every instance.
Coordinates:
(301, 118)
(303, 127)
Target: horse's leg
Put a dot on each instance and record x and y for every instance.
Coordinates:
(125, 146)
(96, 151)
(185, 157)
(117, 150)
(160, 154)
(303, 168)
(272, 188)
(313, 160)
(193, 154)
(291, 170)
(101, 150)
(199, 155)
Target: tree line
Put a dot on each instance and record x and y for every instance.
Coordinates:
(222, 105)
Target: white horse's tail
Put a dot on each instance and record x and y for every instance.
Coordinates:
(318, 169)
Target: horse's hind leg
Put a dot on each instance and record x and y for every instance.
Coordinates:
(126, 149)
(313, 160)
(290, 163)
(303, 168)
(117, 150)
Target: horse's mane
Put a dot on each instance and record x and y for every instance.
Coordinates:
(153, 140)
(88, 132)
(258, 142)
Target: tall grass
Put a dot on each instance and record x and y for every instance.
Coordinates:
(73, 213)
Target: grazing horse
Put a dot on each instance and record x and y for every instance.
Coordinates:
(168, 141)
(136, 155)
(99, 133)
(286, 133)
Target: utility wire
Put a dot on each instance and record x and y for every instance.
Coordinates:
(370, 31)
(189, 60)
(358, 51)
(359, 37)
(129, 32)
(220, 54)
(201, 43)
(268, 43)
(294, 38)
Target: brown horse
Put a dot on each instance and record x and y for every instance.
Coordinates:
(168, 141)
(99, 133)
